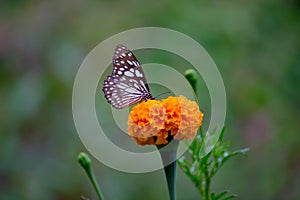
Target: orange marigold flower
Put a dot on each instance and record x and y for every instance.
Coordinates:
(157, 122)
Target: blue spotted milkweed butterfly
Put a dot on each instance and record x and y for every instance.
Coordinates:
(127, 84)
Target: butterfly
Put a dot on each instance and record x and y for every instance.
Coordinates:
(127, 83)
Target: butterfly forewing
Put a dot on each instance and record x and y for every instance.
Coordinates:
(127, 84)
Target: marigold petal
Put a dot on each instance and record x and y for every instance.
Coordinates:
(153, 121)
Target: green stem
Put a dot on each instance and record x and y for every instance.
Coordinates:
(207, 189)
(95, 184)
(170, 172)
(168, 156)
(85, 163)
(207, 184)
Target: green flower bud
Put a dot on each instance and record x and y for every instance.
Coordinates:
(84, 161)
(192, 76)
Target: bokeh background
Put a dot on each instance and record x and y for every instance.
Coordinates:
(255, 44)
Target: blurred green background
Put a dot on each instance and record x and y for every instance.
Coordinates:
(255, 44)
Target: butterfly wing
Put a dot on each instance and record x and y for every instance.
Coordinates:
(127, 84)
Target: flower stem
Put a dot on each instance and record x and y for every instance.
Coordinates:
(85, 163)
(170, 172)
(168, 156)
(207, 179)
(207, 189)
(95, 184)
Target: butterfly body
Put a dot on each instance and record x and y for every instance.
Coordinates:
(127, 84)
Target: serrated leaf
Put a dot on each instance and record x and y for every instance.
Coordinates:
(219, 196)
(237, 152)
(222, 134)
(194, 168)
(205, 162)
(209, 142)
(201, 132)
(184, 162)
(213, 196)
(230, 197)
(243, 151)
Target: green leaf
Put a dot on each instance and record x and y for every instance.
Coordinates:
(227, 156)
(209, 142)
(219, 196)
(222, 134)
(243, 151)
(201, 132)
(205, 157)
(213, 196)
(230, 197)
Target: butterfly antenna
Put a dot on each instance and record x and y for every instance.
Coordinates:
(163, 94)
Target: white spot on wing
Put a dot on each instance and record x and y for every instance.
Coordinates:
(136, 85)
(135, 63)
(123, 78)
(128, 73)
(131, 90)
(138, 73)
(121, 86)
(143, 85)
